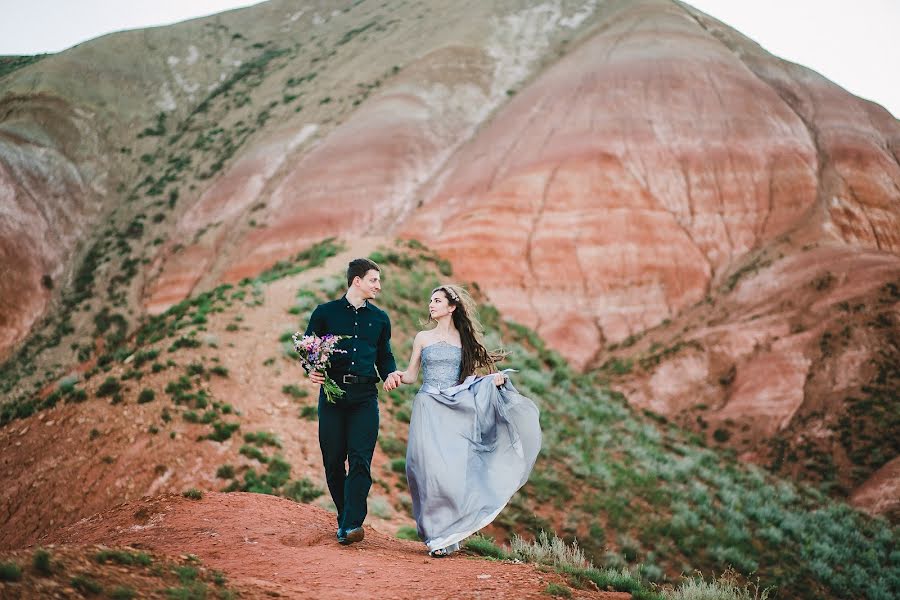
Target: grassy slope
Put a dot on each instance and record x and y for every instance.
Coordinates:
(631, 488)
(635, 489)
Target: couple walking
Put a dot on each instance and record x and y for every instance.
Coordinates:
(472, 440)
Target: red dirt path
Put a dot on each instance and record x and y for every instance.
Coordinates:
(270, 546)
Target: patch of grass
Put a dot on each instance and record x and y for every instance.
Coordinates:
(85, 584)
(302, 490)
(310, 413)
(408, 533)
(254, 453)
(146, 395)
(123, 557)
(559, 591)
(193, 494)
(392, 446)
(122, 592)
(294, 391)
(485, 546)
(262, 438)
(10, 571)
(222, 430)
(40, 561)
(109, 387)
(225, 472)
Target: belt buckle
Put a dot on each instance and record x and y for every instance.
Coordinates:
(344, 379)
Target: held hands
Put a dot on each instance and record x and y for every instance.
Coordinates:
(499, 379)
(393, 381)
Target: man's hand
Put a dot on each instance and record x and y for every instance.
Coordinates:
(317, 378)
(393, 380)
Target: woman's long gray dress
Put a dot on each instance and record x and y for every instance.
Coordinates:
(471, 447)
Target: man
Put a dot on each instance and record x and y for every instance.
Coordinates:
(348, 428)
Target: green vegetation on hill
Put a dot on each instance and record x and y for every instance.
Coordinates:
(634, 489)
(8, 64)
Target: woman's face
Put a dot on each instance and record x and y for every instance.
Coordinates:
(439, 306)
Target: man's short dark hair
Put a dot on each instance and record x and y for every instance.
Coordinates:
(358, 267)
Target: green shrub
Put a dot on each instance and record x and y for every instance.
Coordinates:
(123, 557)
(146, 395)
(41, 562)
(84, 584)
(560, 591)
(109, 387)
(484, 546)
(222, 431)
(193, 494)
(392, 446)
(262, 438)
(398, 465)
(408, 533)
(10, 571)
(225, 472)
(302, 490)
(122, 592)
(310, 413)
(253, 452)
(294, 391)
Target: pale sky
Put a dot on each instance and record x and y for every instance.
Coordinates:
(855, 44)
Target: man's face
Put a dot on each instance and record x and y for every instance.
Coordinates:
(370, 284)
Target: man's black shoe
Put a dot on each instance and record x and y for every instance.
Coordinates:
(352, 535)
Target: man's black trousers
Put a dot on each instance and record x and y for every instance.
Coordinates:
(347, 434)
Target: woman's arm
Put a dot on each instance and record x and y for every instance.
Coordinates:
(411, 374)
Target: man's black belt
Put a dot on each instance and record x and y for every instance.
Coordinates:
(350, 378)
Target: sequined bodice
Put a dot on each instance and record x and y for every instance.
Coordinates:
(440, 364)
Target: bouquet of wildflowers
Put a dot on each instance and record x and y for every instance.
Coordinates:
(315, 355)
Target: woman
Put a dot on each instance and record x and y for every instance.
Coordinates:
(472, 440)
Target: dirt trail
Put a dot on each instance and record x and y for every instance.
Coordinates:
(270, 546)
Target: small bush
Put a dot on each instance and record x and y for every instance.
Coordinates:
(85, 584)
(545, 550)
(222, 431)
(486, 547)
(122, 592)
(41, 562)
(109, 387)
(193, 494)
(225, 472)
(398, 465)
(146, 395)
(219, 370)
(123, 557)
(408, 533)
(302, 490)
(560, 591)
(262, 438)
(310, 413)
(294, 391)
(253, 452)
(10, 571)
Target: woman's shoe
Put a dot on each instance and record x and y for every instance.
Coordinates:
(439, 553)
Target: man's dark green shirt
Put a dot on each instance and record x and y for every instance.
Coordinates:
(368, 345)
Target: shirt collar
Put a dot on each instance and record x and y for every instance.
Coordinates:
(349, 305)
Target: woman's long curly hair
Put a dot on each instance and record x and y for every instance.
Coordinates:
(471, 333)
